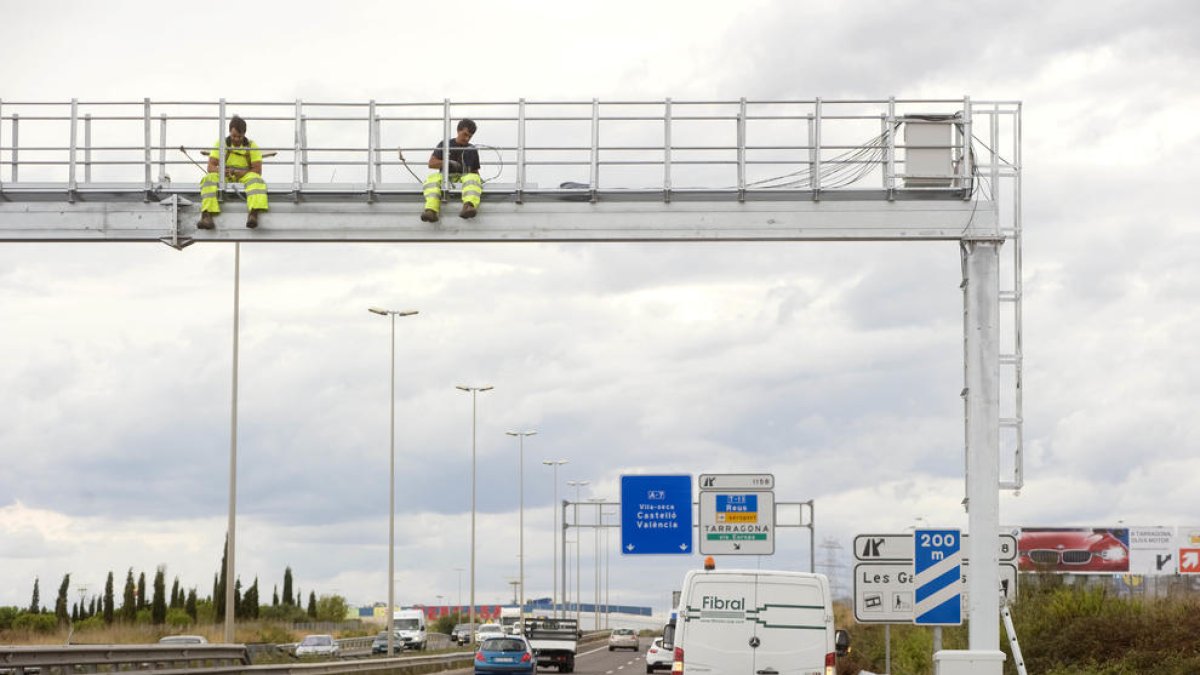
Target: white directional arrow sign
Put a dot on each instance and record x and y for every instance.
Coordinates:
(1189, 561)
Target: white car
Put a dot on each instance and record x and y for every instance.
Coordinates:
(488, 630)
(318, 645)
(658, 656)
(183, 640)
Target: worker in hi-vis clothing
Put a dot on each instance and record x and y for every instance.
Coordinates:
(243, 163)
(464, 168)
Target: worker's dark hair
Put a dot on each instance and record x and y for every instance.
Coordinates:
(467, 124)
(237, 123)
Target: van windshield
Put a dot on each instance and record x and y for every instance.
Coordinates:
(407, 624)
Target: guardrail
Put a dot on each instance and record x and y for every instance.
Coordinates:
(94, 658)
(209, 660)
(574, 147)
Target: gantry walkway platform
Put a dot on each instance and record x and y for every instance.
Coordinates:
(555, 171)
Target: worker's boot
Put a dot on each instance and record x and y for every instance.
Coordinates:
(252, 219)
(429, 216)
(468, 211)
(206, 221)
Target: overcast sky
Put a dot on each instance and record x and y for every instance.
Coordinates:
(836, 367)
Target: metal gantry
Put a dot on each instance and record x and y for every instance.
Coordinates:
(886, 169)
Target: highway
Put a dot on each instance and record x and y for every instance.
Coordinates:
(595, 659)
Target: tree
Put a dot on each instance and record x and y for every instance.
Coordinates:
(333, 608)
(141, 591)
(108, 599)
(274, 596)
(129, 599)
(190, 605)
(176, 595)
(312, 604)
(35, 603)
(237, 598)
(61, 602)
(250, 601)
(287, 587)
(158, 608)
(94, 606)
(219, 584)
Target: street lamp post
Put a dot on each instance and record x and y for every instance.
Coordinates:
(555, 463)
(474, 391)
(458, 609)
(578, 546)
(598, 501)
(521, 487)
(392, 481)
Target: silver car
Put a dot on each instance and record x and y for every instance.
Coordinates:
(623, 638)
(318, 645)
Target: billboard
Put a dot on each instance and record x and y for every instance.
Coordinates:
(1078, 550)
(1189, 550)
(1151, 550)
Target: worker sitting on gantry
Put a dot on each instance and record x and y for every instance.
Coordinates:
(464, 168)
(243, 163)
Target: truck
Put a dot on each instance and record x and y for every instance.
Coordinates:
(554, 642)
(410, 628)
(740, 622)
(510, 618)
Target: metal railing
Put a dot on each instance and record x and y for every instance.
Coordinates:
(206, 659)
(590, 148)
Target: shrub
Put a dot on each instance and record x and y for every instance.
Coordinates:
(7, 614)
(36, 623)
(178, 617)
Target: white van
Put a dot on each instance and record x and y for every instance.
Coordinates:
(410, 628)
(755, 622)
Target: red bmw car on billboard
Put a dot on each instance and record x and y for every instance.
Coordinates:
(1079, 550)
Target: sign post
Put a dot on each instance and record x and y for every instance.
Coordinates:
(656, 515)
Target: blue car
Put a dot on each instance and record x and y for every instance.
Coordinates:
(510, 654)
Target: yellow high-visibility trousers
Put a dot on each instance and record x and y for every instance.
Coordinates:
(256, 192)
(472, 189)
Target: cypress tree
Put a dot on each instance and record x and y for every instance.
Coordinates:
(74, 612)
(109, 604)
(218, 600)
(92, 606)
(35, 602)
(237, 598)
(158, 607)
(287, 588)
(176, 595)
(219, 585)
(141, 591)
(312, 604)
(61, 602)
(190, 605)
(251, 600)
(129, 599)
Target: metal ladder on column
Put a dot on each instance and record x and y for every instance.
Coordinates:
(1018, 659)
(992, 131)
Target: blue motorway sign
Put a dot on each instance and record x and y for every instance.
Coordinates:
(937, 568)
(656, 515)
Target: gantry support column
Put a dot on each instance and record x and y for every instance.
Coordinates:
(981, 297)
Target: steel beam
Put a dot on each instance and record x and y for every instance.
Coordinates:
(541, 221)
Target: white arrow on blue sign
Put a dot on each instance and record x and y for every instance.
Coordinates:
(656, 515)
(937, 567)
